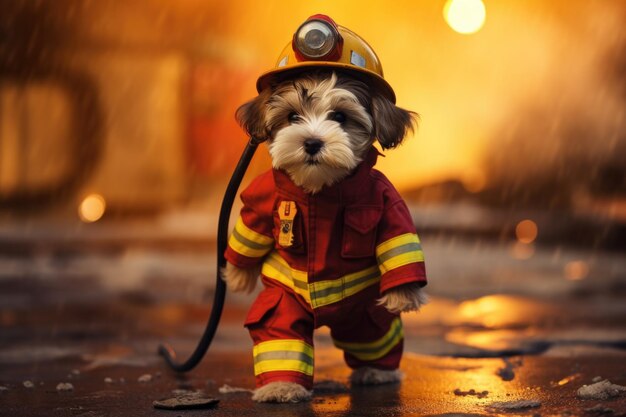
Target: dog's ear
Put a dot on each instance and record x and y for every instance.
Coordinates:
(391, 123)
(251, 116)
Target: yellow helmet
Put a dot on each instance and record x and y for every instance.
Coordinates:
(320, 42)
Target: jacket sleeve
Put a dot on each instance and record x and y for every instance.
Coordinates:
(252, 237)
(398, 248)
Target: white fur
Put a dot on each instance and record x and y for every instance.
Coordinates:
(281, 392)
(344, 146)
(409, 297)
(372, 376)
(240, 280)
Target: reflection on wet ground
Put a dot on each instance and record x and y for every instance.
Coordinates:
(463, 353)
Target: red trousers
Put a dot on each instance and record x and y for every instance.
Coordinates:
(281, 325)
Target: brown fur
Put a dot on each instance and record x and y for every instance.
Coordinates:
(391, 123)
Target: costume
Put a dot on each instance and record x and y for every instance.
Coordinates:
(326, 258)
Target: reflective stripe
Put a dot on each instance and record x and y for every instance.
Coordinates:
(377, 349)
(331, 291)
(283, 355)
(277, 268)
(247, 242)
(321, 293)
(399, 251)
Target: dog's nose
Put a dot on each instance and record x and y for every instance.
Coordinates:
(312, 146)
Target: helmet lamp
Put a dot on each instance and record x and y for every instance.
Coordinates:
(317, 39)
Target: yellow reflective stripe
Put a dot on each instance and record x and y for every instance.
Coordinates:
(294, 345)
(395, 242)
(320, 293)
(283, 355)
(278, 269)
(247, 242)
(283, 365)
(378, 348)
(251, 234)
(399, 251)
(331, 291)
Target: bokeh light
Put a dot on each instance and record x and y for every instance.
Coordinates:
(465, 16)
(526, 231)
(576, 270)
(92, 208)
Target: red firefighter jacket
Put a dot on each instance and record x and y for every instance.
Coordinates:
(341, 243)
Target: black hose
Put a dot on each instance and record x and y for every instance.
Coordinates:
(220, 286)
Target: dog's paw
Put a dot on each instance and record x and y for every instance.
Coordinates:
(372, 376)
(281, 392)
(240, 280)
(408, 297)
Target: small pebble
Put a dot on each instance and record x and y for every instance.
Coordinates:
(145, 378)
(108, 380)
(602, 390)
(472, 391)
(597, 379)
(3, 388)
(75, 372)
(186, 402)
(28, 384)
(65, 386)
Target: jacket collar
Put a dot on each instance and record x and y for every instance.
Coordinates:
(347, 189)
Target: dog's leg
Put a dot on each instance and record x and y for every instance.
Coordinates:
(240, 280)
(408, 297)
(281, 392)
(372, 376)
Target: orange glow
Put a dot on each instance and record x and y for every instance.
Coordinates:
(567, 380)
(526, 231)
(465, 16)
(474, 182)
(576, 270)
(484, 305)
(92, 208)
(490, 311)
(460, 85)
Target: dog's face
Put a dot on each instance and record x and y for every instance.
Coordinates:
(320, 126)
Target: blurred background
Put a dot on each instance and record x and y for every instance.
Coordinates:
(117, 138)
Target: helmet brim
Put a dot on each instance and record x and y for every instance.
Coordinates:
(371, 78)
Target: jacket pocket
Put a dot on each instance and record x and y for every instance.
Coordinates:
(265, 303)
(359, 231)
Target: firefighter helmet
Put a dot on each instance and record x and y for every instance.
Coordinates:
(320, 42)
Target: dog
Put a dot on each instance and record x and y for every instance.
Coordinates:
(320, 126)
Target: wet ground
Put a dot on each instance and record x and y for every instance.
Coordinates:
(505, 324)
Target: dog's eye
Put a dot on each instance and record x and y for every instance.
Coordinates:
(337, 116)
(293, 117)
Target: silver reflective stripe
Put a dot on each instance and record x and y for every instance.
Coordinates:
(286, 272)
(406, 248)
(344, 286)
(282, 355)
(249, 243)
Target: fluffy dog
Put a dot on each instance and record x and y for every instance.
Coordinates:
(320, 126)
